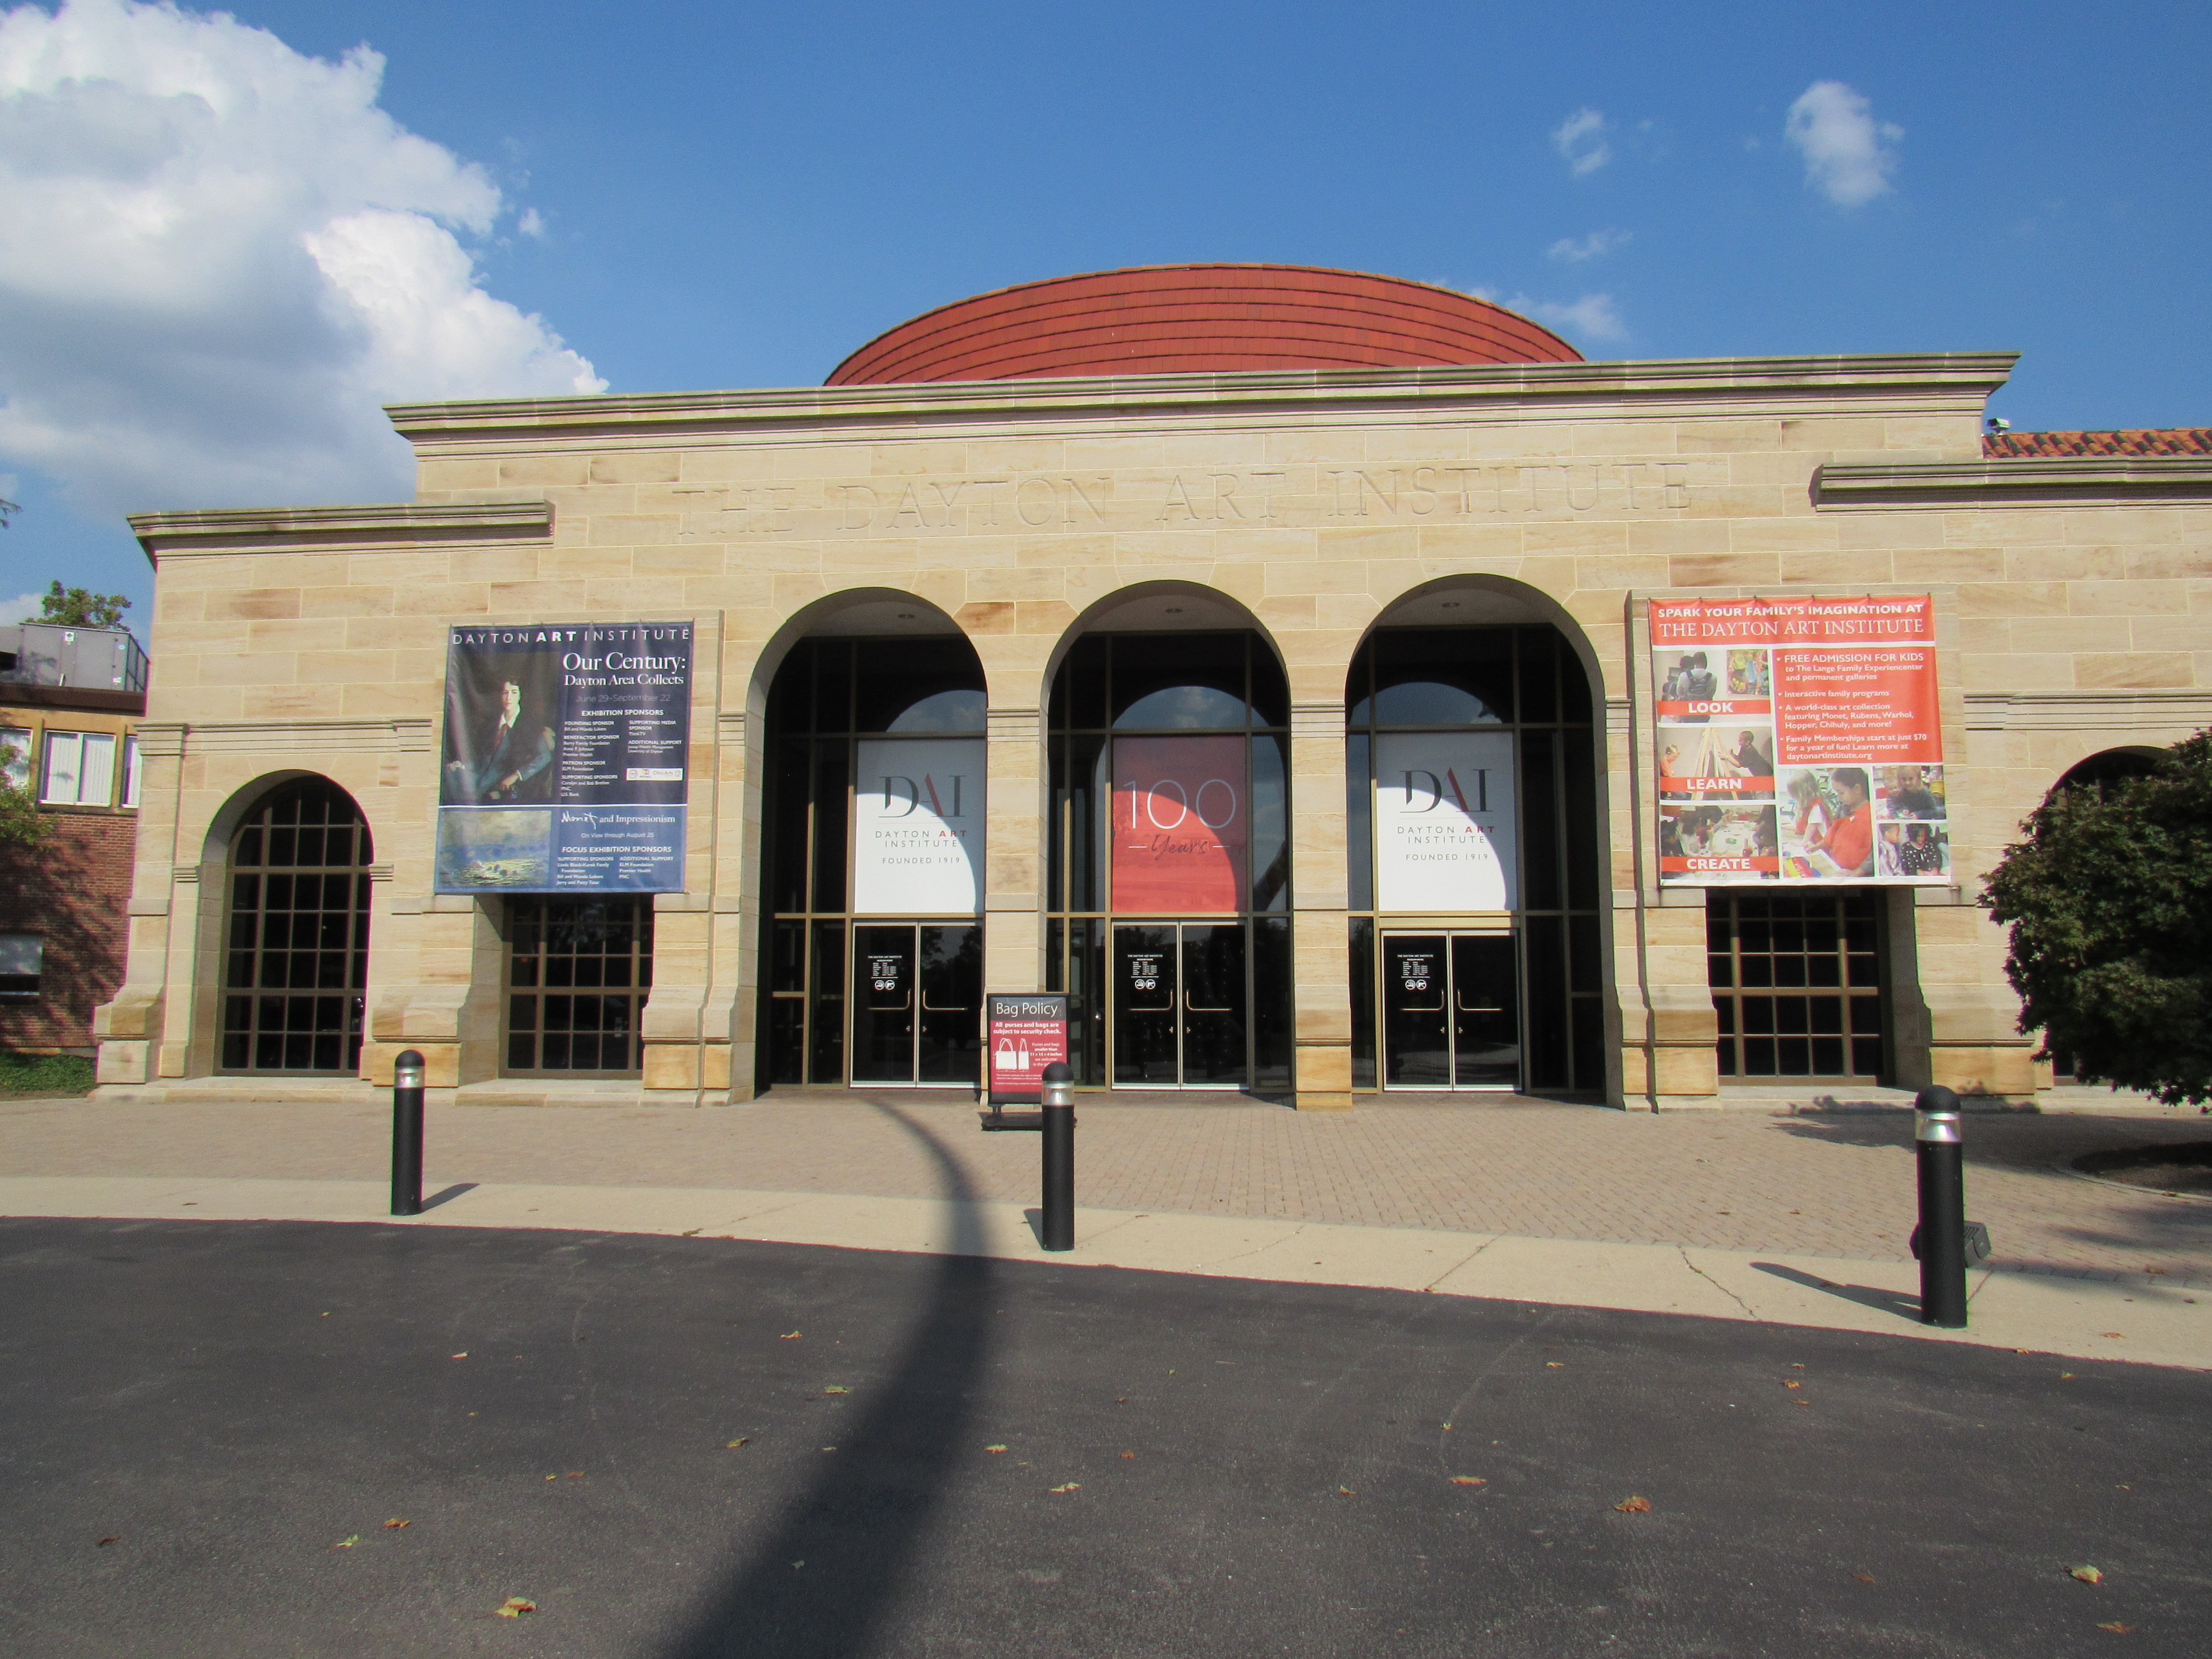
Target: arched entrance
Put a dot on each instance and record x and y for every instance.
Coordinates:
(1168, 880)
(296, 933)
(1473, 838)
(872, 853)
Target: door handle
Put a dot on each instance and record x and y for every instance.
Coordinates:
(1196, 1009)
(898, 1007)
(1420, 1007)
(929, 1007)
(1465, 1009)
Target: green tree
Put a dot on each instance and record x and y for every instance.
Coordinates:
(79, 607)
(2110, 899)
(21, 824)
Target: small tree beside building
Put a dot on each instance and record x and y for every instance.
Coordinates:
(2109, 900)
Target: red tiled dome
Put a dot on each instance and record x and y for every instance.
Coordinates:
(1185, 319)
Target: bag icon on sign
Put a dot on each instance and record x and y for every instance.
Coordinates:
(1008, 1057)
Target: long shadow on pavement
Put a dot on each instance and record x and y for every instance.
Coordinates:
(830, 1570)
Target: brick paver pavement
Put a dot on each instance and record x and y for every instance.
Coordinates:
(1805, 1182)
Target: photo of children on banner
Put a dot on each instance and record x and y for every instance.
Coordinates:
(1717, 832)
(1707, 752)
(1690, 681)
(1828, 824)
(1914, 849)
(1910, 791)
(501, 709)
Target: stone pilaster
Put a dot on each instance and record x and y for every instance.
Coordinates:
(1320, 946)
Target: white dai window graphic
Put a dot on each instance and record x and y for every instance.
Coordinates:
(1444, 823)
(918, 826)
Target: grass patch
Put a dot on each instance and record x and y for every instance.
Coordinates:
(44, 1074)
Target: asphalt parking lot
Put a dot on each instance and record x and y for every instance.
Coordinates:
(209, 1427)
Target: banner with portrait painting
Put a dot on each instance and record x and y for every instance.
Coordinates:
(565, 767)
(1799, 740)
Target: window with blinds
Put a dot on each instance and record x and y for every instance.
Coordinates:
(80, 769)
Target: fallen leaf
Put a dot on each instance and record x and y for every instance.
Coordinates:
(552, 1477)
(347, 1543)
(691, 1232)
(2086, 1575)
(1468, 1480)
(1346, 1491)
(995, 1448)
(1793, 1385)
(2065, 1376)
(2115, 1335)
(514, 1608)
(1070, 1486)
(1864, 1577)
(1128, 1453)
(462, 1355)
(1797, 1364)
(113, 1538)
(575, 1474)
(397, 1522)
(742, 1440)
(2119, 1629)
(1553, 1365)
(788, 1336)
(1633, 1505)
(833, 1390)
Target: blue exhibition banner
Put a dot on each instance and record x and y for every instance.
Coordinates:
(565, 759)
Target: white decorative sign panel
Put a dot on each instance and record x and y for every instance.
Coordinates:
(918, 826)
(1443, 822)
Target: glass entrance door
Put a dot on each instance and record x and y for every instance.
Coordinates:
(1451, 1011)
(917, 1004)
(1181, 1005)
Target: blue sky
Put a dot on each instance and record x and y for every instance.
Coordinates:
(711, 195)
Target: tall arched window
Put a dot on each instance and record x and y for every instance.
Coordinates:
(297, 939)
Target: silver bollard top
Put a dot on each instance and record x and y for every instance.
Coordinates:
(407, 1071)
(1059, 1080)
(1936, 1115)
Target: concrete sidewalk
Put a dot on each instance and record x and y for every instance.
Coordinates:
(2147, 1321)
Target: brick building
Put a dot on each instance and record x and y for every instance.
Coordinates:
(70, 700)
(1331, 684)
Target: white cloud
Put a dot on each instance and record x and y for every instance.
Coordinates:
(21, 608)
(1575, 249)
(532, 224)
(218, 257)
(1848, 154)
(1593, 317)
(1581, 139)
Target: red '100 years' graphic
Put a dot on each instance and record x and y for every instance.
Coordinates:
(1179, 829)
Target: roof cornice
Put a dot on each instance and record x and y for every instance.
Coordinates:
(231, 529)
(2070, 479)
(1952, 376)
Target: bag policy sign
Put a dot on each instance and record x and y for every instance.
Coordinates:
(1023, 1034)
(918, 826)
(1799, 740)
(565, 759)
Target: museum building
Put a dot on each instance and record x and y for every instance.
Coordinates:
(1333, 684)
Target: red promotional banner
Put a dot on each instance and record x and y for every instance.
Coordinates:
(1180, 828)
(1799, 739)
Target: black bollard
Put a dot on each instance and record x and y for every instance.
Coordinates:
(1058, 1156)
(407, 1134)
(1942, 1230)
